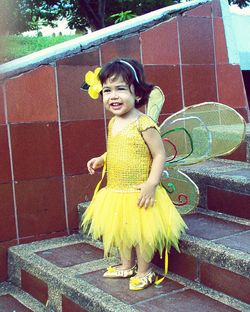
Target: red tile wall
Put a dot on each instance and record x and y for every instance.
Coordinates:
(225, 281)
(125, 47)
(160, 44)
(32, 96)
(49, 128)
(218, 199)
(4, 258)
(179, 263)
(69, 306)
(34, 286)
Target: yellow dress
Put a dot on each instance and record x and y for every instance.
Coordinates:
(113, 214)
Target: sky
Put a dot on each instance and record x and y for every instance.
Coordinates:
(236, 9)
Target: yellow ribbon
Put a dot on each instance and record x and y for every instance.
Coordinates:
(159, 281)
(103, 174)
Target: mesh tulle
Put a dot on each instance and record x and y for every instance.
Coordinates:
(115, 218)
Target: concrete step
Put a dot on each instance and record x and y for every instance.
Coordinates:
(242, 153)
(224, 186)
(67, 274)
(214, 251)
(15, 299)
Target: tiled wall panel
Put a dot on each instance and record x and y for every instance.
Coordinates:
(82, 140)
(204, 10)
(79, 189)
(34, 286)
(225, 281)
(221, 53)
(196, 40)
(5, 172)
(160, 44)
(32, 96)
(76, 104)
(7, 218)
(231, 86)
(126, 47)
(40, 206)
(199, 84)
(167, 77)
(35, 150)
(219, 199)
(69, 305)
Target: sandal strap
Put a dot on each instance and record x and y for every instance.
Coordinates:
(144, 280)
(121, 272)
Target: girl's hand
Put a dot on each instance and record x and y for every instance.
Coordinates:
(147, 195)
(94, 164)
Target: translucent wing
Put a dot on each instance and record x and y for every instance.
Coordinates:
(200, 132)
(155, 103)
(183, 192)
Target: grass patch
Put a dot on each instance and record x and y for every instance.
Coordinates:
(12, 47)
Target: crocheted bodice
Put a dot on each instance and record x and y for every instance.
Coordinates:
(128, 157)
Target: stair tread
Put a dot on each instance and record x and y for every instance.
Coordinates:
(83, 282)
(221, 169)
(213, 228)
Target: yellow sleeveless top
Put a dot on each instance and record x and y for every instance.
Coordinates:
(128, 158)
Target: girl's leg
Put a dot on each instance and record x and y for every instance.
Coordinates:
(127, 263)
(143, 266)
(144, 277)
(126, 269)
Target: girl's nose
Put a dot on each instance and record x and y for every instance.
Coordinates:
(114, 94)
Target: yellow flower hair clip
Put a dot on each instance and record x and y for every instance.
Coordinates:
(92, 83)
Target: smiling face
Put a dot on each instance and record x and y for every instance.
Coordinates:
(118, 97)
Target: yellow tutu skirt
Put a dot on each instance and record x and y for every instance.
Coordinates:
(115, 218)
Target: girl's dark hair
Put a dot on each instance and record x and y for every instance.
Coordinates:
(117, 68)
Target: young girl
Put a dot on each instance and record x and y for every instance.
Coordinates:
(133, 212)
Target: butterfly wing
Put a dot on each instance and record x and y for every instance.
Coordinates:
(155, 103)
(201, 132)
(183, 192)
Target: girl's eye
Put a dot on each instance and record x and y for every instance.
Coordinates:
(105, 90)
(122, 88)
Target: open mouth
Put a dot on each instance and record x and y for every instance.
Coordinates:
(116, 105)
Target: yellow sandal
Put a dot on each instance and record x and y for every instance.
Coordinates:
(142, 282)
(115, 272)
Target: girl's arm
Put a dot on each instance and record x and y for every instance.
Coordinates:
(156, 148)
(95, 163)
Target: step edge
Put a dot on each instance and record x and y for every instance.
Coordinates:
(23, 297)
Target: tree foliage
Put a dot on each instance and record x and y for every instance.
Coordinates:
(19, 15)
(240, 3)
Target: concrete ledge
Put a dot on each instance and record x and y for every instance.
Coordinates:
(21, 296)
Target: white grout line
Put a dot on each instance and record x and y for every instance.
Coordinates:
(104, 111)
(215, 59)
(180, 60)
(11, 163)
(61, 150)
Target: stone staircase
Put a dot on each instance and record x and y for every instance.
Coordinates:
(212, 272)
